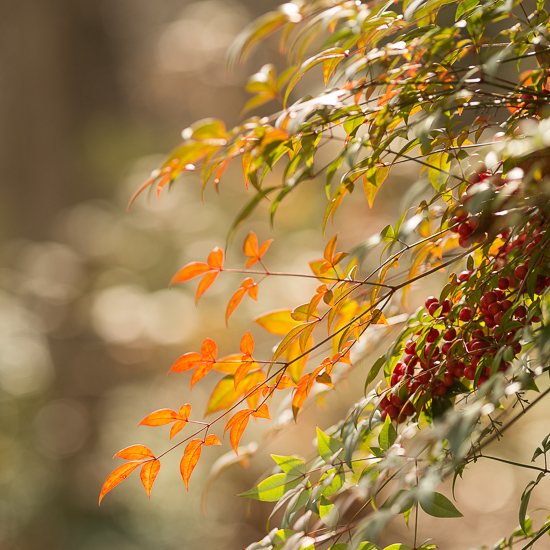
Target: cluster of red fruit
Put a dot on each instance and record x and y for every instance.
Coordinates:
(475, 330)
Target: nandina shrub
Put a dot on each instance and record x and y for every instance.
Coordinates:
(459, 92)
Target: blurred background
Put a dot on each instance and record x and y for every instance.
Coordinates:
(93, 95)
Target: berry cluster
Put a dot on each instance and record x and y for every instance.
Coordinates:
(474, 330)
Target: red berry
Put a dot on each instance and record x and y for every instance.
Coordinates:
(464, 276)
(521, 311)
(506, 305)
(470, 372)
(494, 308)
(446, 306)
(448, 379)
(395, 400)
(449, 335)
(433, 308)
(520, 272)
(465, 314)
(433, 334)
(429, 301)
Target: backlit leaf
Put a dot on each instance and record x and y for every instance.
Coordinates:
(117, 476)
(187, 362)
(215, 258)
(205, 283)
(272, 488)
(148, 474)
(177, 427)
(212, 440)
(237, 423)
(135, 452)
(262, 412)
(160, 418)
(209, 350)
(189, 460)
(277, 322)
(190, 271)
(247, 343)
(327, 446)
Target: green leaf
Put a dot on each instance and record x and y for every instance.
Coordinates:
(290, 465)
(387, 435)
(525, 501)
(328, 513)
(327, 446)
(398, 546)
(331, 482)
(272, 488)
(464, 6)
(439, 506)
(375, 369)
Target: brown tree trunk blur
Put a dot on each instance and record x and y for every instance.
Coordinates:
(57, 72)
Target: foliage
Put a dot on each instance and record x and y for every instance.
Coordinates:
(460, 91)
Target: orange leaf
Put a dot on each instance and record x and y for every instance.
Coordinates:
(189, 460)
(190, 271)
(185, 411)
(330, 248)
(238, 424)
(117, 476)
(177, 427)
(148, 474)
(247, 343)
(228, 364)
(302, 391)
(264, 247)
(262, 412)
(234, 302)
(215, 258)
(186, 362)
(250, 247)
(160, 418)
(205, 284)
(209, 350)
(253, 292)
(135, 452)
(378, 318)
(201, 371)
(285, 382)
(212, 440)
(241, 372)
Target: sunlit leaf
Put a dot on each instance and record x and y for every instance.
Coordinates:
(148, 474)
(212, 440)
(439, 506)
(272, 488)
(160, 418)
(190, 271)
(205, 283)
(135, 452)
(117, 476)
(277, 322)
(189, 460)
(187, 361)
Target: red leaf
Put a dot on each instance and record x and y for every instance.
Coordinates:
(189, 460)
(262, 412)
(215, 258)
(117, 476)
(247, 343)
(186, 362)
(190, 271)
(212, 440)
(135, 452)
(148, 474)
(160, 418)
(205, 284)
(209, 350)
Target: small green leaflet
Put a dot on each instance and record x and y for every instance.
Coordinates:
(328, 513)
(290, 465)
(525, 501)
(272, 488)
(439, 506)
(375, 369)
(387, 435)
(327, 446)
